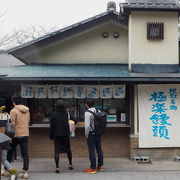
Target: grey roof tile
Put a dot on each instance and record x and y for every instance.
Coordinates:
(66, 71)
(8, 60)
(151, 5)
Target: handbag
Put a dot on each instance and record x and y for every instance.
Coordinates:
(71, 126)
(9, 129)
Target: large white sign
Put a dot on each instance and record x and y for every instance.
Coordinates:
(159, 115)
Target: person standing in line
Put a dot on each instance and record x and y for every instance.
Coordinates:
(20, 118)
(93, 140)
(4, 116)
(59, 132)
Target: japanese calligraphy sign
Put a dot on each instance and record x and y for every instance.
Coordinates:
(119, 91)
(67, 91)
(159, 113)
(27, 91)
(79, 91)
(53, 91)
(40, 91)
(106, 91)
(73, 91)
(93, 91)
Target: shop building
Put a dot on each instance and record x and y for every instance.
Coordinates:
(128, 61)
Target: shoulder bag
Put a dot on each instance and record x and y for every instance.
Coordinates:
(9, 129)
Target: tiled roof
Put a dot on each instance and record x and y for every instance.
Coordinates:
(8, 60)
(83, 73)
(151, 5)
(65, 71)
(63, 30)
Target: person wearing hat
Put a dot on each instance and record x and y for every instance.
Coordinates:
(4, 116)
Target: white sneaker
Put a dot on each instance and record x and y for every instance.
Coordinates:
(25, 176)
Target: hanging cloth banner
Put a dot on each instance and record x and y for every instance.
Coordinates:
(27, 91)
(66, 91)
(54, 91)
(92, 91)
(79, 91)
(106, 92)
(73, 91)
(119, 91)
(40, 91)
(159, 112)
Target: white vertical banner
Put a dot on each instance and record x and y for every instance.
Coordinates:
(79, 91)
(159, 115)
(40, 91)
(27, 91)
(67, 91)
(119, 91)
(54, 91)
(92, 91)
(106, 91)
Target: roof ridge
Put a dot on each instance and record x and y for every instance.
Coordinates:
(62, 30)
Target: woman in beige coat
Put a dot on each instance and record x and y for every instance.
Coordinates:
(20, 118)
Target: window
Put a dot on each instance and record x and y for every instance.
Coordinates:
(155, 30)
(41, 109)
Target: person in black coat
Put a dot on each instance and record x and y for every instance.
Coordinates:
(59, 133)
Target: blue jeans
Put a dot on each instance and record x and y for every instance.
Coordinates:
(94, 145)
(4, 160)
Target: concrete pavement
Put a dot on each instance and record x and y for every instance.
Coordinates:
(115, 169)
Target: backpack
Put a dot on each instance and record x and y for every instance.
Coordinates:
(100, 122)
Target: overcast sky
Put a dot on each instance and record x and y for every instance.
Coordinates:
(50, 13)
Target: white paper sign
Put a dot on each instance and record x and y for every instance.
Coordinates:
(159, 115)
(123, 117)
(119, 91)
(67, 91)
(40, 91)
(79, 91)
(93, 91)
(106, 92)
(54, 91)
(27, 91)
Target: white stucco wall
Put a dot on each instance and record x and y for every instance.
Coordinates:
(143, 51)
(87, 47)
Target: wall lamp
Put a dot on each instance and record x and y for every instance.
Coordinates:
(115, 34)
(105, 34)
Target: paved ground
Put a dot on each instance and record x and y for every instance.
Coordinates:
(115, 169)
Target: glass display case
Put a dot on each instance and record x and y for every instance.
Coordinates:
(41, 109)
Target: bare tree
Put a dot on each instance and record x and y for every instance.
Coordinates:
(24, 35)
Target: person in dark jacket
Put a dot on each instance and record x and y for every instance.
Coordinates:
(4, 116)
(59, 133)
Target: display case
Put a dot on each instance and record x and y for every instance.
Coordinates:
(41, 109)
